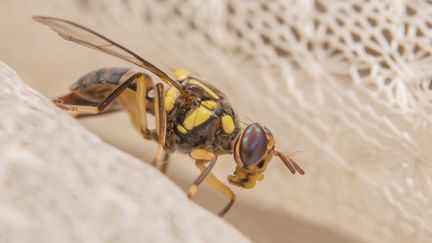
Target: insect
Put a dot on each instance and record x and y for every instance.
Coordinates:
(191, 115)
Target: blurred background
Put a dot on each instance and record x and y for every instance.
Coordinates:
(50, 65)
(282, 64)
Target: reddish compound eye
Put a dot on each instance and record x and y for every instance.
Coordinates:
(253, 145)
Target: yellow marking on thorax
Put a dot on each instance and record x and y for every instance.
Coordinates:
(228, 124)
(209, 104)
(170, 97)
(202, 154)
(181, 129)
(207, 89)
(196, 117)
(181, 74)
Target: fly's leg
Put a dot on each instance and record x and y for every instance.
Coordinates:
(143, 84)
(218, 186)
(161, 121)
(204, 173)
(165, 162)
(203, 157)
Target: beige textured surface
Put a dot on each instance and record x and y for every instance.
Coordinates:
(345, 82)
(60, 183)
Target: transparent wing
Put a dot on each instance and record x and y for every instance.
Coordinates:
(79, 34)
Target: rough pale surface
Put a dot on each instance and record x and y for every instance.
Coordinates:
(60, 183)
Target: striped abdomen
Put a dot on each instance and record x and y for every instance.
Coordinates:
(97, 85)
(94, 87)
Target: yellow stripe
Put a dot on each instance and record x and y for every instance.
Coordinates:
(181, 74)
(228, 124)
(207, 89)
(181, 129)
(196, 117)
(209, 104)
(170, 98)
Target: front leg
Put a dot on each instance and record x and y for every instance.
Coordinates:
(202, 157)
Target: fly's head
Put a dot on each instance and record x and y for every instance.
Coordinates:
(253, 150)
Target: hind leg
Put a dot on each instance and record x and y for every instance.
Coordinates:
(75, 104)
(137, 113)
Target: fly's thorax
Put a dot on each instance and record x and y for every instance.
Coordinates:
(197, 87)
(209, 121)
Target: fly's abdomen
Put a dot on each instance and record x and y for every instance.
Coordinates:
(97, 85)
(94, 87)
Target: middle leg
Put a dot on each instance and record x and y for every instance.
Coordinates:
(161, 121)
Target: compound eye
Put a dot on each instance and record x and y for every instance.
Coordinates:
(253, 145)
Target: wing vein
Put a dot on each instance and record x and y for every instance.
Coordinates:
(84, 36)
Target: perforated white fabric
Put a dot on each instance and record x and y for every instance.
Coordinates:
(348, 83)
